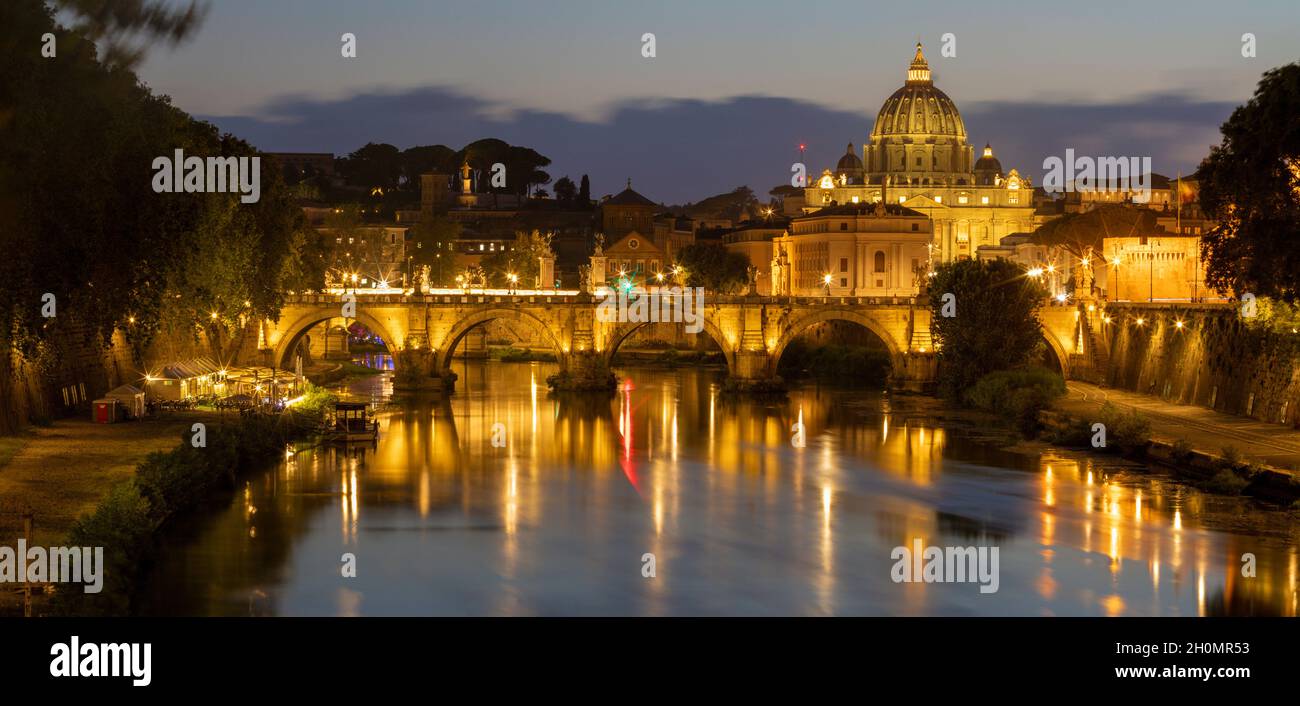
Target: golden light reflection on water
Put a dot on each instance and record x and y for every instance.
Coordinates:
(672, 467)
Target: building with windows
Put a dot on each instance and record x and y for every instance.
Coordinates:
(625, 213)
(637, 257)
(856, 249)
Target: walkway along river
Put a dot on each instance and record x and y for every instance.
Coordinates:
(740, 520)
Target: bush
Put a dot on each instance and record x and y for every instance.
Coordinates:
(122, 524)
(1126, 433)
(1225, 482)
(310, 409)
(1076, 433)
(1017, 395)
(167, 483)
(519, 355)
(1182, 451)
(1231, 456)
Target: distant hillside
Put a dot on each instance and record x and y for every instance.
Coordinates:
(733, 205)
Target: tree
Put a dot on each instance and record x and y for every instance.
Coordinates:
(433, 244)
(415, 161)
(989, 323)
(1082, 234)
(730, 205)
(374, 165)
(584, 191)
(521, 260)
(113, 23)
(714, 267)
(565, 190)
(1250, 189)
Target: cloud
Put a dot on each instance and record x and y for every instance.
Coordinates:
(678, 150)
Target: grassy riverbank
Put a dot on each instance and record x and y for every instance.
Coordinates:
(127, 487)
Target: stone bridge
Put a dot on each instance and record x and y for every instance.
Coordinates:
(423, 330)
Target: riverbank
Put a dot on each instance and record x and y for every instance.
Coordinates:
(1206, 430)
(64, 471)
(1183, 453)
(1216, 452)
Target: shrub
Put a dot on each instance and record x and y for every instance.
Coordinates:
(1225, 482)
(1231, 456)
(1125, 432)
(1182, 451)
(167, 483)
(122, 524)
(1017, 395)
(1076, 433)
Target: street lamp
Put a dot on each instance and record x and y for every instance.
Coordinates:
(1115, 263)
(826, 280)
(514, 281)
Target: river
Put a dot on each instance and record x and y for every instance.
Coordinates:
(579, 500)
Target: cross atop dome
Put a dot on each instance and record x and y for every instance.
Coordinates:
(919, 71)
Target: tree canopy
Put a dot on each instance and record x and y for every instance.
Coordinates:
(77, 142)
(993, 325)
(1081, 233)
(712, 266)
(1250, 189)
(384, 166)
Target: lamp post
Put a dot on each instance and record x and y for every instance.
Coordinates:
(514, 282)
(826, 280)
(1115, 264)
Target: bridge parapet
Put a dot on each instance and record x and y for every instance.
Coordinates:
(422, 330)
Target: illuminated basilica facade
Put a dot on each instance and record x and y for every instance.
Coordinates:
(918, 156)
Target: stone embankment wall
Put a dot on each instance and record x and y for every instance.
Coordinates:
(1214, 359)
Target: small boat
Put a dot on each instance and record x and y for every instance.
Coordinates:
(349, 422)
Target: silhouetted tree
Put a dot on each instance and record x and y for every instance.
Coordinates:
(565, 190)
(1250, 189)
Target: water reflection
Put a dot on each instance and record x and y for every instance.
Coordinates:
(740, 520)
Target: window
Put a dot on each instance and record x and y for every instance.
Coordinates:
(844, 264)
(918, 161)
(844, 282)
(880, 261)
(844, 225)
(984, 199)
(916, 226)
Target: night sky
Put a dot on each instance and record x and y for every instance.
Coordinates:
(735, 86)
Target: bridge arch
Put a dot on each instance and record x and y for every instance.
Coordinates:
(1057, 350)
(624, 330)
(303, 323)
(465, 324)
(799, 326)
